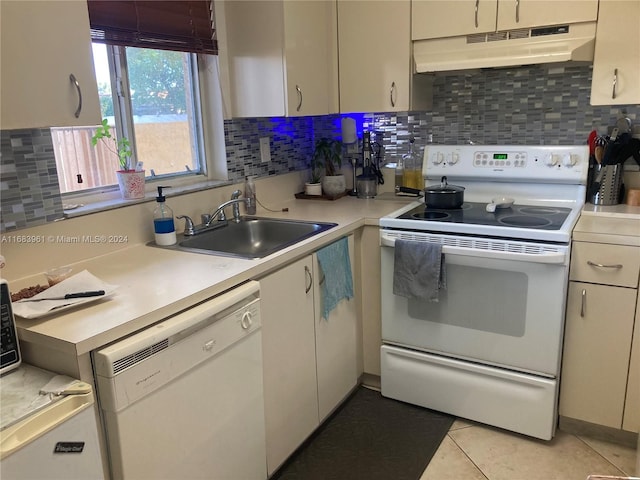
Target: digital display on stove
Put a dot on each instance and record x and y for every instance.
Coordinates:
(500, 156)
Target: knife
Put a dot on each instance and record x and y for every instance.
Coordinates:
(68, 296)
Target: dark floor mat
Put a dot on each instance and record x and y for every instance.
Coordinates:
(370, 438)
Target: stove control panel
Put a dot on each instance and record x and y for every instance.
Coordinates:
(554, 163)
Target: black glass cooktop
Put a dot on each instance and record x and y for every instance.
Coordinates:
(519, 216)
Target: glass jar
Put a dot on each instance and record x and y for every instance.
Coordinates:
(412, 168)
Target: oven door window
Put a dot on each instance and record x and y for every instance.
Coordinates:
(485, 299)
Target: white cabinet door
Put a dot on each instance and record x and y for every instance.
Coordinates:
(335, 346)
(631, 419)
(274, 46)
(289, 359)
(311, 57)
(514, 14)
(597, 345)
(374, 46)
(444, 18)
(616, 63)
(43, 43)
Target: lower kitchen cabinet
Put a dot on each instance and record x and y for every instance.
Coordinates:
(309, 362)
(631, 418)
(599, 380)
(596, 354)
(335, 346)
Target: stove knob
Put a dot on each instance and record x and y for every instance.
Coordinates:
(570, 160)
(551, 160)
(438, 158)
(455, 158)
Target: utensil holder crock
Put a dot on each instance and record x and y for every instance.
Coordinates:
(607, 184)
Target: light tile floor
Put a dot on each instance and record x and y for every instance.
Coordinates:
(472, 451)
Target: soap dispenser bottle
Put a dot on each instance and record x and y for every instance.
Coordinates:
(163, 224)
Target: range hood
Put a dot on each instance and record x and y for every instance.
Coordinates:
(506, 48)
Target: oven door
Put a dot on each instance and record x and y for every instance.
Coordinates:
(503, 304)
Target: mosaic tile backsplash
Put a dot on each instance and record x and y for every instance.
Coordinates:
(538, 105)
(29, 190)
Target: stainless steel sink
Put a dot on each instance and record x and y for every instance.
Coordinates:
(253, 237)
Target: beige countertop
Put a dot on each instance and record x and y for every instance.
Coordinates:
(154, 283)
(614, 224)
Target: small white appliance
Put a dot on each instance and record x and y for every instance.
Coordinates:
(490, 349)
(45, 434)
(184, 398)
(10, 358)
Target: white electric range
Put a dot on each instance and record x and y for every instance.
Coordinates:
(490, 349)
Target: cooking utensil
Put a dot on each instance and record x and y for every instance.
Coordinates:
(410, 191)
(592, 141)
(68, 296)
(598, 154)
(444, 195)
(499, 202)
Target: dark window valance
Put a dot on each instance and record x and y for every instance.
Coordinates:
(185, 26)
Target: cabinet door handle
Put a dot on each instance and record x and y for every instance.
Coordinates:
(477, 6)
(299, 98)
(73, 79)
(517, 11)
(615, 83)
(308, 274)
(594, 264)
(583, 305)
(391, 92)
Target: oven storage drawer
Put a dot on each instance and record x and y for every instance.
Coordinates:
(605, 264)
(518, 402)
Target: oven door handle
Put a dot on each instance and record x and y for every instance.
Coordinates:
(548, 258)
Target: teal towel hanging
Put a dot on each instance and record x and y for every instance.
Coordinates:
(336, 268)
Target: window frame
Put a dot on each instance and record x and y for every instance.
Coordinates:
(208, 126)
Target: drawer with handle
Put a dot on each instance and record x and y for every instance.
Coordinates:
(605, 264)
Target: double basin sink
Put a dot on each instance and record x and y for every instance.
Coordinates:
(252, 237)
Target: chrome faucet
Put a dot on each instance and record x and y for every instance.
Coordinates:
(219, 213)
(208, 221)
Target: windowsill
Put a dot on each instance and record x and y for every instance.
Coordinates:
(113, 200)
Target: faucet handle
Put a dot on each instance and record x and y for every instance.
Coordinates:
(236, 194)
(189, 228)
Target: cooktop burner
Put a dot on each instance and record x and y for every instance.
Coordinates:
(521, 216)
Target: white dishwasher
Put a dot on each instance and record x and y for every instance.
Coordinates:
(183, 398)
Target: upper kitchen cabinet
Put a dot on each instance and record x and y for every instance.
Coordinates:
(281, 57)
(442, 18)
(43, 43)
(514, 14)
(374, 45)
(616, 63)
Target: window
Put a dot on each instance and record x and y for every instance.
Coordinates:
(149, 96)
(145, 58)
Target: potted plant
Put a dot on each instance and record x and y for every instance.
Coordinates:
(328, 155)
(130, 180)
(314, 187)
